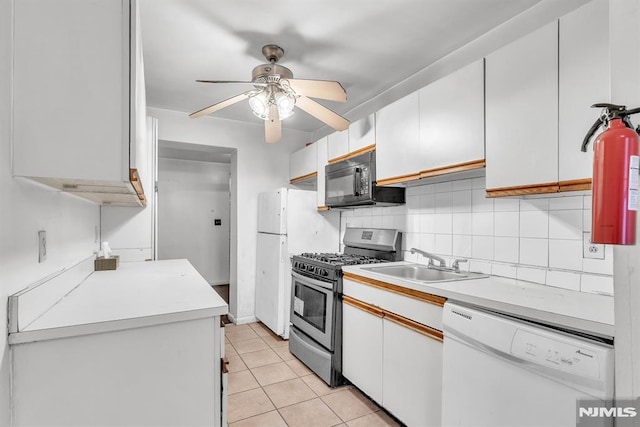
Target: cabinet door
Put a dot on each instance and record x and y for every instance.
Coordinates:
(303, 163)
(584, 80)
(522, 112)
(322, 159)
(397, 141)
(338, 144)
(452, 119)
(82, 106)
(362, 350)
(412, 375)
(362, 134)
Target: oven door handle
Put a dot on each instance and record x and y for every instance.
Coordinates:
(316, 282)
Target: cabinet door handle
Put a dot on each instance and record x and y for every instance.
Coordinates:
(224, 365)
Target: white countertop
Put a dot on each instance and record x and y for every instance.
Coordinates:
(137, 294)
(579, 311)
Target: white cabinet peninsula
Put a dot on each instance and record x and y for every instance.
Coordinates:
(140, 345)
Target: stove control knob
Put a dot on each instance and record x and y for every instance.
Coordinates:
(324, 272)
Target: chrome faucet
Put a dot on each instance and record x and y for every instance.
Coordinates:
(431, 257)
(456, 264)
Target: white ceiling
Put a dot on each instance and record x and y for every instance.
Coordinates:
(368, 46)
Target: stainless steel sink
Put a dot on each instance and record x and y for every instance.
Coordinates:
(422, 273)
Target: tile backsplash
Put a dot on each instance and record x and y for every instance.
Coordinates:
(533, 238)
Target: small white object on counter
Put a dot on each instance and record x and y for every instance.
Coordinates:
(578, 311)
(106, 250)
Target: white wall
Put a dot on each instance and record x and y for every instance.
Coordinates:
(538, 239)
(255, 167)
(191, 195)
(624, 33)
(24, 209)
(130, 230)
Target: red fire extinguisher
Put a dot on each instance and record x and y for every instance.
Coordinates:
(616, 171)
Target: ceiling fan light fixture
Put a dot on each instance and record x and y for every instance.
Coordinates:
(260, 102)
(285, 103)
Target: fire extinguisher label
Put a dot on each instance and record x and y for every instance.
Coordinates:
(634, 177)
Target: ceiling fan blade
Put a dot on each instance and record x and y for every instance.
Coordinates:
(219, 106)
(322, 113)
(231, 81)
(323, 89)
(273, 126)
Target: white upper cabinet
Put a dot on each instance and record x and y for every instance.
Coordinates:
(522, 113)
(452, 121)
(303, 164)
(584, 80)
(362, 134)
(398, 140)
(323, 160)
(338, 144)
(78, 96)
(359, 138)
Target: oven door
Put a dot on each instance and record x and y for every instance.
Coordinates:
(312, 308)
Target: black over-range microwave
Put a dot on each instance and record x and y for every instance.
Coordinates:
(352, 182)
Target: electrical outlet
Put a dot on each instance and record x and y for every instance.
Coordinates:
(42, 246)
(591, 250)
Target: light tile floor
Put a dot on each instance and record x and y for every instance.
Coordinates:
(268, 387)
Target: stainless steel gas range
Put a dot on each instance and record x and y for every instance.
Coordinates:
(316, 306)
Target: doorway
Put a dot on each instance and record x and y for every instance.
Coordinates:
(194, 208)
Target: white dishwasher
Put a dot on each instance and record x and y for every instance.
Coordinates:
(501, 371)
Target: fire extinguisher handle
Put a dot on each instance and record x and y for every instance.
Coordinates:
(590, 133)
(610, 107)
(633, 111)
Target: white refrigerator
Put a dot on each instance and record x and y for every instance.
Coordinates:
(288, 224)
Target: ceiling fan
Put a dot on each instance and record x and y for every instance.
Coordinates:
(276, 93)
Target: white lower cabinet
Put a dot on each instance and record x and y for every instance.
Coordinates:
(362, 350)
(412, 375)
(393, 359)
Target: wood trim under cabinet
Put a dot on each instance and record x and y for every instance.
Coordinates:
(134, 178)
(414, 326)
(351, 154)
(323, 208)
(459, 167)
(523, 190)
(575, 185)
(361, 305)
(399, 179)
(303, 177)
(401, 290)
